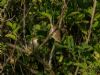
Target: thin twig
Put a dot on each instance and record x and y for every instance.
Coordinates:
(51, 55)
(13, 68)
(47, 38)
(76, 71)
(91, 22)
(24, 22)
(14, 46)
(62, 13)
(1, 19)
(26, 13)
(21, 70)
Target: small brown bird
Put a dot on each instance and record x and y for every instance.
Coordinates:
(35, 43)
(56, 34)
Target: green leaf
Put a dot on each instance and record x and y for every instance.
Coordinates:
(46, 15)
(85, 46)
(80, 15)
(37, 27)
(95, 24)
(69, 42)
(33, 1)
(82, 65)
(11, 36)
(97, 16)
(14, 26)
(89, 10)
(84, 31)
(9, 24)
(61, 58)
(3, 2)
(16, 30)
(82, 21)
(74, 13)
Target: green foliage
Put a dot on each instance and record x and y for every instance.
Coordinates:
(69, 42)
(14, 30)
(3, 2)
(25, 27)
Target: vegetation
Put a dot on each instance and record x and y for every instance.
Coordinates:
(49, 37)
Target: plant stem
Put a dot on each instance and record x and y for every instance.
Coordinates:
(91, 22)
(76, 71)
(24, 22)
(51, 55)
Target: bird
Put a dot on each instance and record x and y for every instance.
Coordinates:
(56, 34)
(35, 42)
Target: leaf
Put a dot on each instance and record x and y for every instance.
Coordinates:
(9, 24)
(46, 15)
(82, 21)
(81, 15)
(16, 30)
(30, 13)
(37, 27)
(14, 26)
(85, 46)
(84, 31)
(33, 1)
(11, 36)
(61, 58)
(3, 2)
(69, 42)
(97, 16)
(73, 13)
(96, 55)
(85, 21)
(95, 24)
(97, 47)
(82, 65)
(89, 10)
